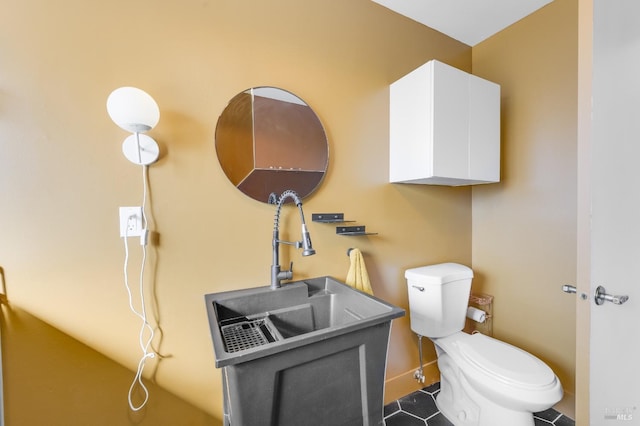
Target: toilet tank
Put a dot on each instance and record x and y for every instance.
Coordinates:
(438, 298)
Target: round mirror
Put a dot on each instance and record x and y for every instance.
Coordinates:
(269, 140)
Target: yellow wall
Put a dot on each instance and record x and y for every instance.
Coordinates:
(63, 176)
(524, 229)
(55, 380)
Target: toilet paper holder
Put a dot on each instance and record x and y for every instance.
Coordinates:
(477, 315)
(480, 314)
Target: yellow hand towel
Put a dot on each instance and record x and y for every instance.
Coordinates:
(357, 277)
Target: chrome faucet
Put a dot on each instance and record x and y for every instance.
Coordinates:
(278, 275)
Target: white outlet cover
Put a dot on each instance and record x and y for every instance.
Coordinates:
(131, 221)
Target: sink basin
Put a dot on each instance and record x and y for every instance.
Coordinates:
(250, 323)
(290, 353)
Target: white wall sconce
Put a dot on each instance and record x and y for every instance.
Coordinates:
(135, 111)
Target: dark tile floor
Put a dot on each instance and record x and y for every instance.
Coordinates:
(419, 409)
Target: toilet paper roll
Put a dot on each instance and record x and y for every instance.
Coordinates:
(476, 314)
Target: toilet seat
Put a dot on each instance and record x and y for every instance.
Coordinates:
(504, 362)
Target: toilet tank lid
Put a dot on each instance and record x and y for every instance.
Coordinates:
(439, 274)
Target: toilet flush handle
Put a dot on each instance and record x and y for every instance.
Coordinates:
(418, 288)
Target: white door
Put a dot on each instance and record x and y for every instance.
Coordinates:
(609, 155)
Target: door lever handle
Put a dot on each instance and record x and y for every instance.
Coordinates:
(602, 296)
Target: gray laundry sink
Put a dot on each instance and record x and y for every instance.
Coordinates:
(312, 352)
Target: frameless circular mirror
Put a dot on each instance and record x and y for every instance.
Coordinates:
(269, 140)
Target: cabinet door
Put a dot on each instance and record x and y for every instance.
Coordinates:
(484, 130)
(410, 126)
(450, 122)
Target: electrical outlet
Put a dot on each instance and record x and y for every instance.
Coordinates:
(131, 221)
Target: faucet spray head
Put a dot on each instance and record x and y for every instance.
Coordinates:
(307, 249)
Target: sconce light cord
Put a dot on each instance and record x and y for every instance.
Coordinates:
(146, 333)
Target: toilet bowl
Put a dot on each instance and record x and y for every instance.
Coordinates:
(503, 384)
(484, 382)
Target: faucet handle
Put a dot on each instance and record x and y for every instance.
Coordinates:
(287, 275)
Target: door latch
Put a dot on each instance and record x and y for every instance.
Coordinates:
(571, 289)
(602, 296)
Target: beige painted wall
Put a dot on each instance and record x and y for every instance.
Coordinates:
(524, 229)
(55, 380)
(62, 175)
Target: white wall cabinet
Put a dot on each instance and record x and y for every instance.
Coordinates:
(444, 127)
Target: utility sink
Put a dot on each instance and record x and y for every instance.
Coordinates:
(255, 322)
(297, 354)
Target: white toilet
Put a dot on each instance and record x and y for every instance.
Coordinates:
(483, 381)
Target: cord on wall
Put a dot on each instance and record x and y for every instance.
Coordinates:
(135, 111)
(146, 332)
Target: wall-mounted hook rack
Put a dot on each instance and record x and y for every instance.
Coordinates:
(353, 230)
(329, 218)
(339, 218)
